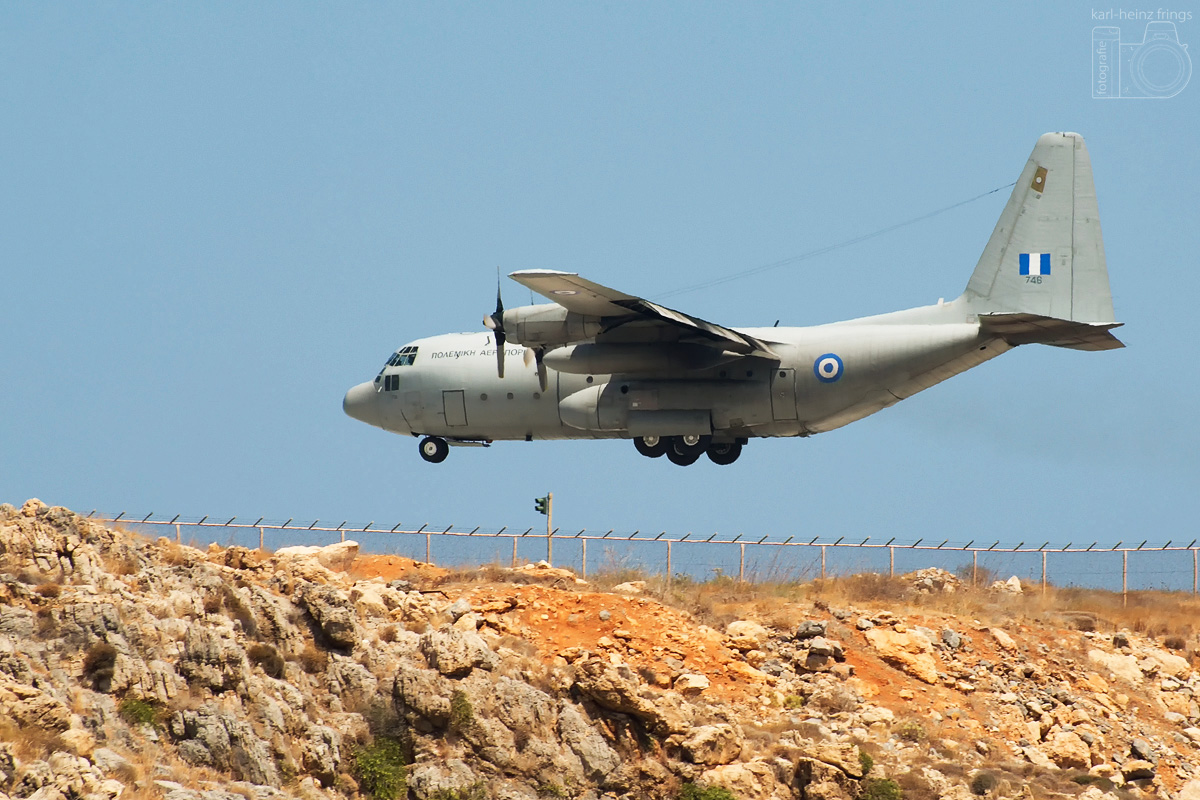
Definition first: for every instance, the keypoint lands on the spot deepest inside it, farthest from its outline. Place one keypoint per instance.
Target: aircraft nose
(362, 403)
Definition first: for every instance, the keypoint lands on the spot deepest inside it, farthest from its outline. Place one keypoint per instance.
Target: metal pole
(1193, 571)
(549, 530)
(428, 537)
(974, 567)
(742, 563)
(514, 563)
(669, 563)
(176, 533)
(891, 562)
(260, 539)
(585, 558)
(1124, 578)
(1043, 573)
(822, 562)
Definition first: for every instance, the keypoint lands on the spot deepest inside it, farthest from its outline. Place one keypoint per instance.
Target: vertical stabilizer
(1046, 255)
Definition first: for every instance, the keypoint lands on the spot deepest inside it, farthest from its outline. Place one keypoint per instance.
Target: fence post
(514, 560)
(742, 563)
(1043, 573)
(1124, 579)
(668, 563)
(822, 562)
(1193, 571)
(585, 558)
(891, 561)
(260, 538)
(176, 533)
(428, 538)
(974, 568)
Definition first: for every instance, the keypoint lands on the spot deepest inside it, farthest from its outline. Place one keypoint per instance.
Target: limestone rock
(338, 556)
(1120, 666)
(334, 614)
(1067, 750)
(908, 652)
(713, 745)
(598, 758)
(455, 653)
(754, 780)
(745, 635)
(691, 684)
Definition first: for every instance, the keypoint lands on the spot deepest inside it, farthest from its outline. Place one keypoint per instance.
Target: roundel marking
(563, 291)
(828, 368)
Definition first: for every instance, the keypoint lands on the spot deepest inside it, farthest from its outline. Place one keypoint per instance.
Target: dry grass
(49, 590)
(30, 743)
(1173, 618)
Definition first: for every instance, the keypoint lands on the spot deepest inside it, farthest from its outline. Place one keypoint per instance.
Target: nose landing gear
(433, 449)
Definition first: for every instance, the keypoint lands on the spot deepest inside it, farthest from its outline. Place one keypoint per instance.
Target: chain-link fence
(1123, 566)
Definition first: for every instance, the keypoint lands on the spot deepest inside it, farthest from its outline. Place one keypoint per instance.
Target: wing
(617, 309)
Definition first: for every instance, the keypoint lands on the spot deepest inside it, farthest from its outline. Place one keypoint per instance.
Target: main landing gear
(685, 450)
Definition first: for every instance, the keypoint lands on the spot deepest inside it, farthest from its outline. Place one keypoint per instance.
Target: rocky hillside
(143, 669)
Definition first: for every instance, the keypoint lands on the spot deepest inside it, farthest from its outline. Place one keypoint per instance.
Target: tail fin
(1045, 259)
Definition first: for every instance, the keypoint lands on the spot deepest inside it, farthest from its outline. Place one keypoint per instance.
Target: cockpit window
(403, 357)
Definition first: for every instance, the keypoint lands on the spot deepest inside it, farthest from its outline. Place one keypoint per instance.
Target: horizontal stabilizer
(1022, 328)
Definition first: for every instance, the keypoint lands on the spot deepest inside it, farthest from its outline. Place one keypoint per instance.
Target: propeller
(536, 354)
(495, 323)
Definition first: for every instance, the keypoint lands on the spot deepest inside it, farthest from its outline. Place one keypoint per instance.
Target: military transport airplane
(602, 364)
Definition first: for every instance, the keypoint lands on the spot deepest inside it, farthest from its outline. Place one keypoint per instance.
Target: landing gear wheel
(724, 453)
(682, 459)
(651, 446)
(433, 449)
(691, 444)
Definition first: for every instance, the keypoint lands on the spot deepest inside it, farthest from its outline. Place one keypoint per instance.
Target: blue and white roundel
(828, 368)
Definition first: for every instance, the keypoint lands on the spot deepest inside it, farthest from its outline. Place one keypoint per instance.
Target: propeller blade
(541, 368)
(528, 357)
(494, 322)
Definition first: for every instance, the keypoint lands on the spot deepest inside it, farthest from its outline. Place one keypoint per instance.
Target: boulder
(455, 653)
(598, 758)
(754, 780)
(338, 556)
(1067, 750)
(810, 628)
(1118, 666)
(908, 652)
(745, 635)
(1003, 639)
(691, 684)
(334, 614)
(1135, 769)
(713, 745)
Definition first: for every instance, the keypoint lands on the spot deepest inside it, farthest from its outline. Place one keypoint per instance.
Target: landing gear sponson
(681, 450)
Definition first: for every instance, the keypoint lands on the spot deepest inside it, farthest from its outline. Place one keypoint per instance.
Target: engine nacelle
(548, 325)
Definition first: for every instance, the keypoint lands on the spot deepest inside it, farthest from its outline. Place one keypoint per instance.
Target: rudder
(1046, 255)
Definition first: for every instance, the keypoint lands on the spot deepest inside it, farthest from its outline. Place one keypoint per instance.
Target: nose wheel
(433, 449)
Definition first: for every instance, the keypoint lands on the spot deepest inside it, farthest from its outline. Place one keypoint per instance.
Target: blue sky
(215, 218)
